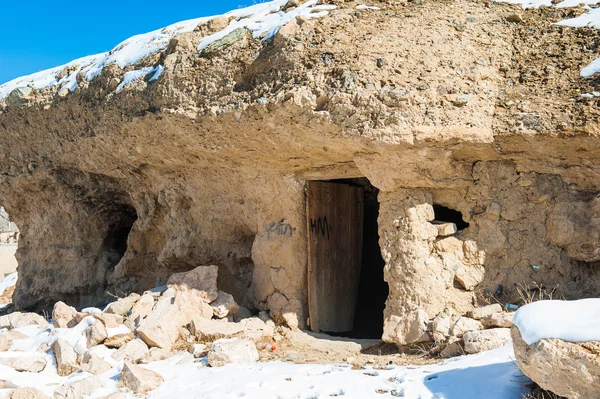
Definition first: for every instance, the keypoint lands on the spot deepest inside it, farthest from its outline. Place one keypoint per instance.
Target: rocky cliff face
(455, 103)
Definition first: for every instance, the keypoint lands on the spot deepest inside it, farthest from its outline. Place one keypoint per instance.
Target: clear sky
(41, 34)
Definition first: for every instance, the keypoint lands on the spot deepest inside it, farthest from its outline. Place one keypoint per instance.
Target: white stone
(224, 305)
(485, 311)
(133, 351)
(461, 325)
(78, 389)
(445, 229)
(67, 360)
(233, 350)
(123, 305)
(139, 379)
(479, 341)
(31, 363)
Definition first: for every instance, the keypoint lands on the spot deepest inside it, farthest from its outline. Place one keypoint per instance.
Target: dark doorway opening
(114, 245)
(444, 214)
(371, 290)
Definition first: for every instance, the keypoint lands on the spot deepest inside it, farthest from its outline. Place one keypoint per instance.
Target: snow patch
(8, 281)
(262, 20)
(571, 321)
(365, 7)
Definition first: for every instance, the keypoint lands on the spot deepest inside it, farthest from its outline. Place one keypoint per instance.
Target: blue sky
(41, 34)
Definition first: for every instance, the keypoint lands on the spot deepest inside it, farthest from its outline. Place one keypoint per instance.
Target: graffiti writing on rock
(278, 229)
(320, 226)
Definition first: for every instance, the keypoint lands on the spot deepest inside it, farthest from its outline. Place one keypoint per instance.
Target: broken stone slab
(94, 364)
(445, 229)
(28, 393)
(485, 311)
(110, 320)
(139, 379)
(210, 330)
(154, 355)
(461, 325)
(140, 310)
(31, 363)
(503, 319)
(78, 389)
(95, 334)
(224, 305)
(567, 369)
(8, 337)
(18, 320)
(123, 305)
(480, 341)
(132, 351)
(67, 360)
(118, 340)
(63, 315)
(202, 280)
(232, 350)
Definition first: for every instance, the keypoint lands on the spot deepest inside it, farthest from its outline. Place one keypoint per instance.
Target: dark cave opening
(114, 246)
(444, 214)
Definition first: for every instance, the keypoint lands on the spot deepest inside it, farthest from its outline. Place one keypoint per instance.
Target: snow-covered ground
(491, 375)
(263, 20)
(589, 19)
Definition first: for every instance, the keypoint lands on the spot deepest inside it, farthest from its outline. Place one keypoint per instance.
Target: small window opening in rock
(360, 315)
(122, 218)
(447, 215)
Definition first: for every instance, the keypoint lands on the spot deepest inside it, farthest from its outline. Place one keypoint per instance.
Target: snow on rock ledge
(571, 321)
(262, 20)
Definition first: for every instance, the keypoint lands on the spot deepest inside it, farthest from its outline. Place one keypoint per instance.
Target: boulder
(31, 363)
(407, 329)
(480, 341)
(140, 310)
(139, 379)
(440, 328)
(202, 280)
(504, 320)
(485, 311)
(570, 370)
(95, 334)
(78, 389)
(28, 393)
(224, 305)
(20, 96)
(7, 338)
(94, 364)
(233, 350)
(118, 340)
(67, 360)
(123, 305)
(172, 312)
(63, 315)
(132, 351)
(154, 355)
(461, 325)
(110, 320)
(255, 328)
(210, 330)
(18, 320)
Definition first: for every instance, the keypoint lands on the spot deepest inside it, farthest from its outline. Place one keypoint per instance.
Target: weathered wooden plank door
(335, 236)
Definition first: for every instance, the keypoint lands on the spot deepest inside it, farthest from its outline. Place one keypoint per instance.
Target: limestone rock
(31, 363)
(7, 338)
(233, 350)
(198, 350)
(118, 340)
(94, 364)
(461, 325)
(18, 319)
(224, 305)
(225, 42)
(110, 320)
(95, 334)
(406, 330)
(139, 379)
(28, 393)
(67, 360)
(440, 328)
(445, 229)
(485, 311)
(255, 328)
(202, 280)
(503, 319)
(479, 341)
(154, 355)
(469, 276)
(63, 315)
(140, 310)
(20, 96)
(132, 351)
(210, 330)
(453, 347)
(570, 370)
(123, 305)
(78, 389)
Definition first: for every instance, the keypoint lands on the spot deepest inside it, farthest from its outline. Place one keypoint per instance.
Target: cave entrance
(346, 288)
(120, 222)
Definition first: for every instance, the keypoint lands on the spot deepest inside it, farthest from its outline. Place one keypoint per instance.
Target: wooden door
(335, 236)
